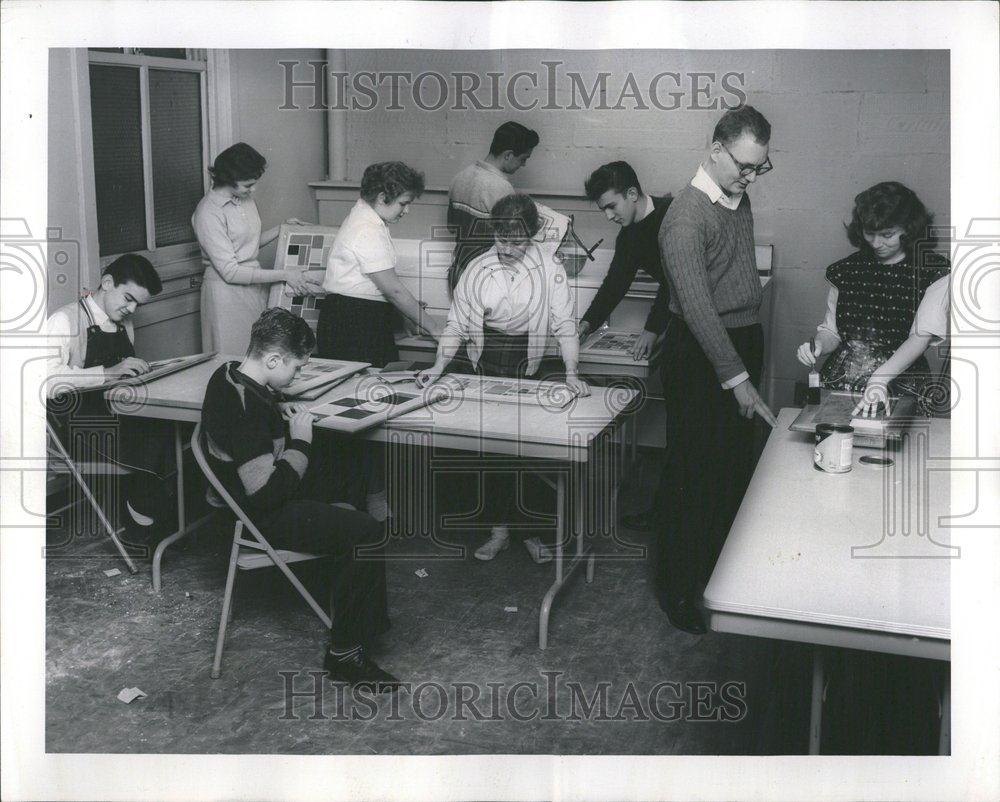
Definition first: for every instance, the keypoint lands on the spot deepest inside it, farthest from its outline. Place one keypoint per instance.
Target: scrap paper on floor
(129, 695)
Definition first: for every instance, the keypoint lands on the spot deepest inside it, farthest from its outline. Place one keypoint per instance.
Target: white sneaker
(499, 541)
(539, 552)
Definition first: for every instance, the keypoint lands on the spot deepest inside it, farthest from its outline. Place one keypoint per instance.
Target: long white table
(857, 560)
(577, 447)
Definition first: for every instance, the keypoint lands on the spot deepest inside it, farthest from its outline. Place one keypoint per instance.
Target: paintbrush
(813, 395)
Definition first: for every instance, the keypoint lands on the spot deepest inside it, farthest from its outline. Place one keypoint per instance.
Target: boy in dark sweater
(615, 188)
(711, 361)
(263, 459)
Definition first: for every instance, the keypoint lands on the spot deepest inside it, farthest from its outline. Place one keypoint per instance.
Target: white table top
(596, 364)
(470, 425)
(791, 554)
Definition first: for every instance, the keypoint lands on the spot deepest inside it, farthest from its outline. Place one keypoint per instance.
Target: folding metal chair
(57, 450)
(249, 555)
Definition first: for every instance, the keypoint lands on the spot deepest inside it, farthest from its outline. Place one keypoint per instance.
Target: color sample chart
(301, 248)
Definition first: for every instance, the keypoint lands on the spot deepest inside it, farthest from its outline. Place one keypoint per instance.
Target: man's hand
(876, 392)
(301, 426)
(577, 385)
(750, 402)
(808, 352)
(583, 330)
(128, 367)
(644, 345)
(294, 221)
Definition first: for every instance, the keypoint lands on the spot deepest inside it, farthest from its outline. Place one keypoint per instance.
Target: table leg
(944, 740)
(566, 521)
(816, 708)
(182, 527)
(632, 421)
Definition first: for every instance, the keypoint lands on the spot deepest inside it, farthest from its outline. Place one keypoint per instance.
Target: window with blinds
(148, 132)
(116, 114)
(175, 130)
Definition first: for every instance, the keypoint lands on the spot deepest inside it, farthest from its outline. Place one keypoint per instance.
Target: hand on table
(644, 345)
(577, 385)
(750, 403)
(301, 425)
(128, 367)
(427, 377)
(876, 392)
(294, 221)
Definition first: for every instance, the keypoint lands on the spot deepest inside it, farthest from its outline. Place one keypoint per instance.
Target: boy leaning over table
(267, 462)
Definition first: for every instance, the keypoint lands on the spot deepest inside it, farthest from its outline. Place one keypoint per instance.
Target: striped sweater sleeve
(682, 249)
(269, 468)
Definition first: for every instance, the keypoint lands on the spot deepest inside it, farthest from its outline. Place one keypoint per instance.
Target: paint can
(834, 448)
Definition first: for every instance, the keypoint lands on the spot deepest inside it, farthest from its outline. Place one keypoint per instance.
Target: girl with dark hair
(357, 317)
(507, 303)
(227, 225)
(875, 291)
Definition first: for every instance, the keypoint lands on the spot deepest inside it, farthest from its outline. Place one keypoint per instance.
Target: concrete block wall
(842, 121)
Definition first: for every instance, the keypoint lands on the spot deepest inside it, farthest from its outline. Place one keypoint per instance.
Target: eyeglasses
(747, 169)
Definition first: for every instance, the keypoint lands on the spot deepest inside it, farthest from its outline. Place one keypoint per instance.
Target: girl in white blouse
(226, 222)
(506, 305)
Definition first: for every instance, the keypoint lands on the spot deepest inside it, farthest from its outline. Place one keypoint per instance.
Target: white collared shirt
(506, 297)
(362, 246)
(65, 368)
(703, 181)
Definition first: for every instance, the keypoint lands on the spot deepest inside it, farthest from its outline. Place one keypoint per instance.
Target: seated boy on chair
(266, 462)
(94, 336)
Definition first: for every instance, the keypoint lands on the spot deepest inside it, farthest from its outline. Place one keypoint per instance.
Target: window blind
(178, 172)
(118, 172)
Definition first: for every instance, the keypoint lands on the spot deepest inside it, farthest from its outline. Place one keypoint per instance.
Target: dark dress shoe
(685, 616)
(640, 521)
(359, 669)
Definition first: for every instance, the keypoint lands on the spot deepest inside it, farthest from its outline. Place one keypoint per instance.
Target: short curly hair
(515, 217)
(392, 178)
(887, 205)
(239, 162)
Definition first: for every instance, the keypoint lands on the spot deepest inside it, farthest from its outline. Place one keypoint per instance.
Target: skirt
(227, 313)
(356, 330)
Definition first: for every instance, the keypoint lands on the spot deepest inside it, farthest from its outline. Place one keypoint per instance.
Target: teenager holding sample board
(507, 303)
(227, 225)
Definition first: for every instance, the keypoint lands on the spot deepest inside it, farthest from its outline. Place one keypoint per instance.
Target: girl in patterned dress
(875, 291)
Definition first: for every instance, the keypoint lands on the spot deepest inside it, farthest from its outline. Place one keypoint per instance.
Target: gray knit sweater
(708, 256)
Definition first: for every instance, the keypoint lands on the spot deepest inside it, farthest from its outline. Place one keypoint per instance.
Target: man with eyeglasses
(711, 362)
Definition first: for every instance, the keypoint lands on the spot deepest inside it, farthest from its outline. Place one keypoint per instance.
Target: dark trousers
(358, 603)
(709, 460)
(89, 430)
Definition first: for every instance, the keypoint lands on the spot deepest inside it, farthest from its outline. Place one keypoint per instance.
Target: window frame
(170, 255)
